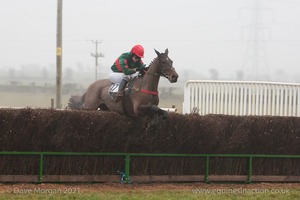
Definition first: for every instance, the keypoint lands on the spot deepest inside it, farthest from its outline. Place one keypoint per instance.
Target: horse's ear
(166, 51)
(158, 54)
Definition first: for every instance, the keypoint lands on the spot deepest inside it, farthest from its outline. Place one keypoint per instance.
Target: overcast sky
(200, 34)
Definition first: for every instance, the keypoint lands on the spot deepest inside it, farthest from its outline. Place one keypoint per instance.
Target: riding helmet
(138, 50)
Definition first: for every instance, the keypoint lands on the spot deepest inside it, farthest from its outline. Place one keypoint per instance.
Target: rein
(162, 73)
(154, 74)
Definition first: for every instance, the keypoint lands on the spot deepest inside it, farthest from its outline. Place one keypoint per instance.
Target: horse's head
(166, 66)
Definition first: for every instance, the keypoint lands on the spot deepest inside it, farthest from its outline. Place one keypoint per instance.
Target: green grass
(290, 194)
(30, 99)
(43, 100)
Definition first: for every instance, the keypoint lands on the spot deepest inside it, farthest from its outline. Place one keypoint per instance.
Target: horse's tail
(76, 102)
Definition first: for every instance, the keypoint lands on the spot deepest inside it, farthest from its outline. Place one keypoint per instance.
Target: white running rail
(241, 98)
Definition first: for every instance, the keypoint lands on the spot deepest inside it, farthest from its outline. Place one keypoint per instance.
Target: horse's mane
(141, 74)
(152, 62)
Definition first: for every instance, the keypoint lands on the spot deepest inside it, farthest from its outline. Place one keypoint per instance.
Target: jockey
(126, 67)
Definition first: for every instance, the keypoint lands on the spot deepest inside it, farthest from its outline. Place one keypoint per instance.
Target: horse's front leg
(156, 114)
(159, 111)
(153, 109)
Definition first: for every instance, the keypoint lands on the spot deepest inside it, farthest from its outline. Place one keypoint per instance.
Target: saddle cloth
(113, 90)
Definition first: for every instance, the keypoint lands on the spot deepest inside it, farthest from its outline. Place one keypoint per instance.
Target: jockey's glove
(141, 68)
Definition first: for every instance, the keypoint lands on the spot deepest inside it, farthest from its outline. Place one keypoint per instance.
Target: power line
(96, 55)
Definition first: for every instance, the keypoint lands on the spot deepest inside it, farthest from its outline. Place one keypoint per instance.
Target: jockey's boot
(121, 88)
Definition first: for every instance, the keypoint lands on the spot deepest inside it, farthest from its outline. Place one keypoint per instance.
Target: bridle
(162, 71)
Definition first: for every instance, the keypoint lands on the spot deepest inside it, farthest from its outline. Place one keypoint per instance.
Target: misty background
(207, 39)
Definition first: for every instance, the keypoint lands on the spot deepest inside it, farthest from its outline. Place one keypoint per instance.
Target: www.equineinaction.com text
(240, 191)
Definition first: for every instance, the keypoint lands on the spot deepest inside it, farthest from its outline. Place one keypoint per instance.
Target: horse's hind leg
(103, 107)
(91, 102)
(75, 103)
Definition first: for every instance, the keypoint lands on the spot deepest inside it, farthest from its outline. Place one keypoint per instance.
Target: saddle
(114, 88)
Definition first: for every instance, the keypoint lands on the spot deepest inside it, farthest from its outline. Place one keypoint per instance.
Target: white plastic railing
(241, 98)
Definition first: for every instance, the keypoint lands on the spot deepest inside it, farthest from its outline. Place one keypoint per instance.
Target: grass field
(43, 100)
(151, 191)
(28, 99)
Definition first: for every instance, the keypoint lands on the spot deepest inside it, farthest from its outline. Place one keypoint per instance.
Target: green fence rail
(127, 157)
